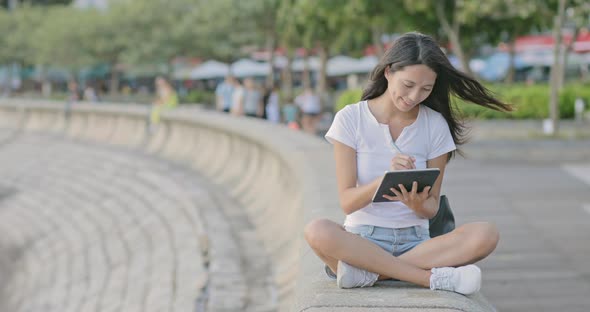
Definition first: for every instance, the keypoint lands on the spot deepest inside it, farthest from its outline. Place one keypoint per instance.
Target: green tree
(374, 19)
(289, 29)
(505, 20)
(469, 24)
(261, 18)
(15, 44)
(324, 24)
(575, 14)
(555, 69)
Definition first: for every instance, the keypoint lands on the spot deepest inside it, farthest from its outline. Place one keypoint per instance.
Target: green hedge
(199, 97)
(530, 102)
(348, 97)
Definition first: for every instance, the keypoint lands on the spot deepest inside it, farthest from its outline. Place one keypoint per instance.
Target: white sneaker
(465, 280)
(351, 277)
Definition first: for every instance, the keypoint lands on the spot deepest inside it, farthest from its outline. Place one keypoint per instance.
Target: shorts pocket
(361, 230)
(422, 233)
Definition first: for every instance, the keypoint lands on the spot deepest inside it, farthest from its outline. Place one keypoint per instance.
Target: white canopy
(341, 65)
(368, 63)
(313, 64)
(249, 68)
(210, 70)
(344, 65)
(337, 66)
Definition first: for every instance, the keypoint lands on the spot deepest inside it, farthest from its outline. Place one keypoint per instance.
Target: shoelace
(441, 279)
(364, 277)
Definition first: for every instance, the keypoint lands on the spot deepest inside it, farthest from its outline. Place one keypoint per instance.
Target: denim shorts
(395, 241)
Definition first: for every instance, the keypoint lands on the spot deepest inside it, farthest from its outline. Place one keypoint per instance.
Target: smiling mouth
(405, 102)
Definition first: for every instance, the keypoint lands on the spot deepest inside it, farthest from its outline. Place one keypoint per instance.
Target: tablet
(424, 177)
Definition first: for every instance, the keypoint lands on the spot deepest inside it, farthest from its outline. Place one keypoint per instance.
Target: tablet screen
(424, 177)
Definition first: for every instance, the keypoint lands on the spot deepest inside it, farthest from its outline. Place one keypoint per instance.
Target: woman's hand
(413, 198)
(402, 162)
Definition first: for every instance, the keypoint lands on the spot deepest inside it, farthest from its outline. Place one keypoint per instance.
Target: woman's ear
(387, 72)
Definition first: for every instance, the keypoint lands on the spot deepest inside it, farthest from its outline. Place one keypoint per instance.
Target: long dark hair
(416, 48)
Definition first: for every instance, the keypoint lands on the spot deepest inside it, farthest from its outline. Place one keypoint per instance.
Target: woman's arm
(352, 198)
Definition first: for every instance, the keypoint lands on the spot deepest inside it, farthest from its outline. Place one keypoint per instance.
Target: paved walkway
(543, 213)
(90, 228)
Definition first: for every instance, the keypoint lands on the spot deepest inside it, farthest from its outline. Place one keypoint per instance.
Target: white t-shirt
(427, 138)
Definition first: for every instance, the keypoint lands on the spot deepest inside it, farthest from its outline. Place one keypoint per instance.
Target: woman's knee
(484, 238)
(319, 232)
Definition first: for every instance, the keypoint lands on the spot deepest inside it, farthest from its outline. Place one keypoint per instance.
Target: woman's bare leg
(328, 238)
(467, 244)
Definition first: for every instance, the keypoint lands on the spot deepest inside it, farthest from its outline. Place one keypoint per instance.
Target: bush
(568, 97)
(348, 97)
(529, 102)
(199, 97)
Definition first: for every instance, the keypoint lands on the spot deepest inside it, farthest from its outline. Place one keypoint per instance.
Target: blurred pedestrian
(166, 98)
(72, 98)
(310, 106)
(90, 94)
(250, 104)
(237, 107)
(272, 105)
(224, 94)
(73, 92)
(290, 112)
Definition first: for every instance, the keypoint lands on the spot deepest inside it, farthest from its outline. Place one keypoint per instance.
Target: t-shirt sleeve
(441, 139)
(343, 128)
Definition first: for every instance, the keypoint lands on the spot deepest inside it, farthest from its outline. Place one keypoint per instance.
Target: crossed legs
(467, 244)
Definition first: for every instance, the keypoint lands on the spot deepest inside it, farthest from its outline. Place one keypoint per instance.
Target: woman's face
(409, 86)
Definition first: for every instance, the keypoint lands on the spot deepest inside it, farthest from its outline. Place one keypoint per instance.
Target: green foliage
(61, 39)
(529, 102)
(199, 97)
(17, 26)
(348, 97)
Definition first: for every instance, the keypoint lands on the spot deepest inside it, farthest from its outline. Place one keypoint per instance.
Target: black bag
(444, 221)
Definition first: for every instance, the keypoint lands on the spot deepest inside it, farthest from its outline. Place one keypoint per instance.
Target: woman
(166, 98)
(404, 121)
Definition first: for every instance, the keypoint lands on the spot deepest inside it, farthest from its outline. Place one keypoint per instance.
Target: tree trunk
(114, 83)
(305, 80)
(565, 57)
(453, 34)
(379, 48)
(288, 76)
(9, 78)
(458, 51)
(584, 72)
(270, 47)
(322, 86)
(555, 70)
(511, 56)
